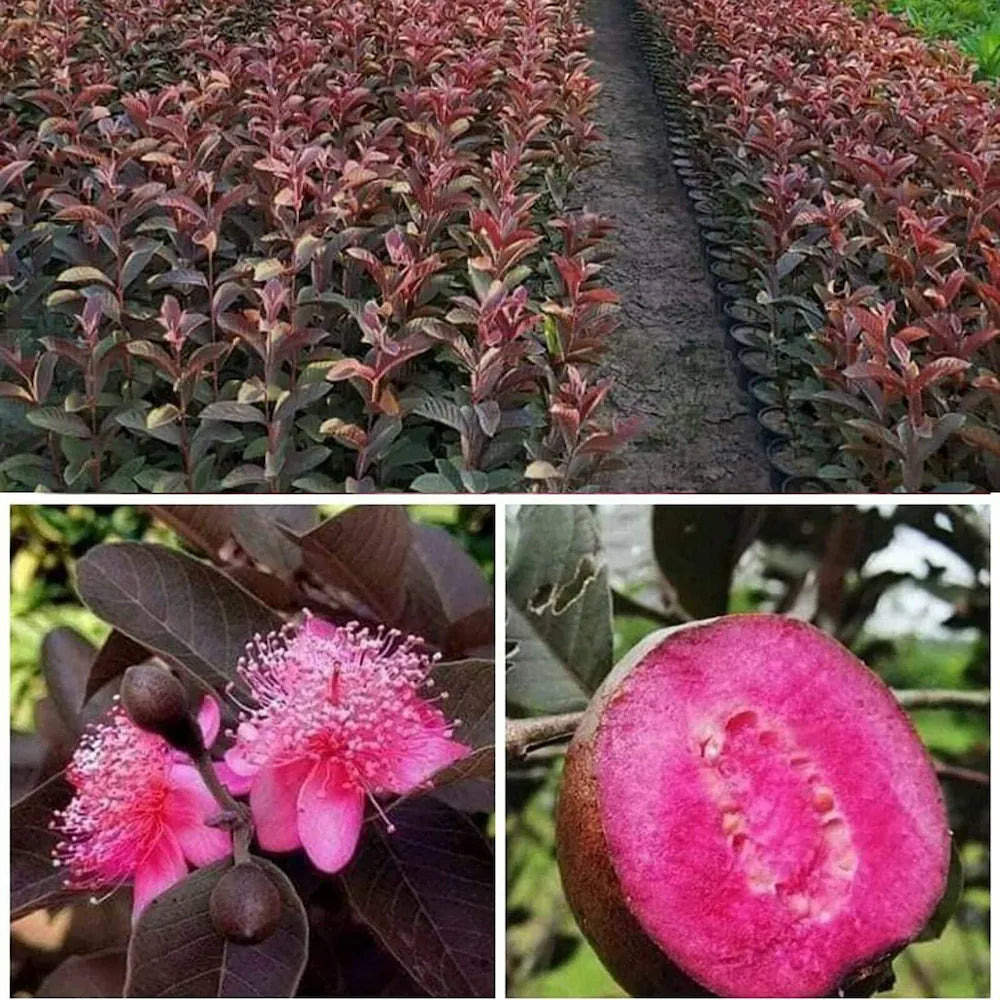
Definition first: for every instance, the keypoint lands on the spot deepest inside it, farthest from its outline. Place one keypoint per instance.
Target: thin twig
(961, 773)
(934, 698)
(526, 735)
(235, 816)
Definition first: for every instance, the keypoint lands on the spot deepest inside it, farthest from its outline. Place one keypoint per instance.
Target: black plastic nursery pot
(787, 461)
(772, 426)
(803, 484)
(752, 364)
(762, 393)
(742, 312)
(747, 337)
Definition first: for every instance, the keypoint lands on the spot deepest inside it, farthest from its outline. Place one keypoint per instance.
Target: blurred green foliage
(547, 955)
(974, 25)
(47, 541)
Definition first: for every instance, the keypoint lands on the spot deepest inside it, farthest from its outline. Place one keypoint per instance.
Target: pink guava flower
(139, 811)
(340, 718)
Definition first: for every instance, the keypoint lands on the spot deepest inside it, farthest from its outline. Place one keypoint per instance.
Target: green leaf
(243, 475)
(74, 275)
(238, 413)
(432, 482)
(558, 610)
(51, 418)
(162, 416)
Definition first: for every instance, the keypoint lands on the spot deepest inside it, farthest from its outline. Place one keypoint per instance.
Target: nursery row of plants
(298, 247)
(846, 178)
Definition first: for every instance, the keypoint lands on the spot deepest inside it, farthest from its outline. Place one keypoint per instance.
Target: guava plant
(745, 808)
(284, 758)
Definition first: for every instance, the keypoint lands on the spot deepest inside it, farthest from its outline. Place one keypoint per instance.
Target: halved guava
(746, 811)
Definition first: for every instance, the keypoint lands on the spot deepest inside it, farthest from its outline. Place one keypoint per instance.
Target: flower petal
(189, 803)
(159, 870)
(422, 758)
(236, 755)
(273, 796)
(330, 811)
(209, 716)
(236, 783)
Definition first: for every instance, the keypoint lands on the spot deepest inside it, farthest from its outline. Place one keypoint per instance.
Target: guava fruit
(746, 811)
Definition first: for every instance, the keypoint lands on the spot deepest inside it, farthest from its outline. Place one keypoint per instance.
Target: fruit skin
(245, 905)
(592, 888)
(591, 883)
(156, 701)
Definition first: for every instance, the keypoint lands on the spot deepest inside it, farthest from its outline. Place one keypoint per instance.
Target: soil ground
(668, 361)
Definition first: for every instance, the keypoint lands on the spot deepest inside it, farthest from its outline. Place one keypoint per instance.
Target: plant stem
(933, 698)
(525, 735)
(241, 824)
(960, 773)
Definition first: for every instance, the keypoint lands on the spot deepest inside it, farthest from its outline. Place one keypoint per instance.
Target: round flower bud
(245, 905)
(155, 700)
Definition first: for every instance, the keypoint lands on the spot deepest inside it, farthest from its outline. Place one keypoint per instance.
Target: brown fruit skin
(589, 879)
(156, 701)
(245, 905)
(593, 890)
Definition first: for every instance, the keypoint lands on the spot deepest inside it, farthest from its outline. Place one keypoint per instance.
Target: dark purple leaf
(176, 952)
(426, 890)
(66, 659)
(183, 609)
(34, 881)
(470, 783)
(27, 758)
(118, 653)
(205, 527)
(99, 975)
(445, 587)
(362, 553)
(469, 685)
(255, 527)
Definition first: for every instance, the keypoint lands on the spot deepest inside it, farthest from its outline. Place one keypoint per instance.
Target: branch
(525, 735)
(960, 773)
(936, 698)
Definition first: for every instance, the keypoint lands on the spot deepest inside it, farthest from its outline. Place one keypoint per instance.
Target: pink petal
(330, 811)
(209, 716)
(236, 756)
(189, 803)
(236, 783)
(422, 759)
(160, 869)
(273, 795)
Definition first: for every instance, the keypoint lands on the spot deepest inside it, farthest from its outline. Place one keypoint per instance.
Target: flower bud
(155, 700)
(245, 905)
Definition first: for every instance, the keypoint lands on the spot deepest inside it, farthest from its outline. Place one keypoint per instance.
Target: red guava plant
(287, 743)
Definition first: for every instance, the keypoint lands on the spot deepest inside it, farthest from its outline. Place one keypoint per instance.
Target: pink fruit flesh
(772, 816)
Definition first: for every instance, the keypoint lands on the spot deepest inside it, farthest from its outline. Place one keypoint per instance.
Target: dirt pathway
(668, 361)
